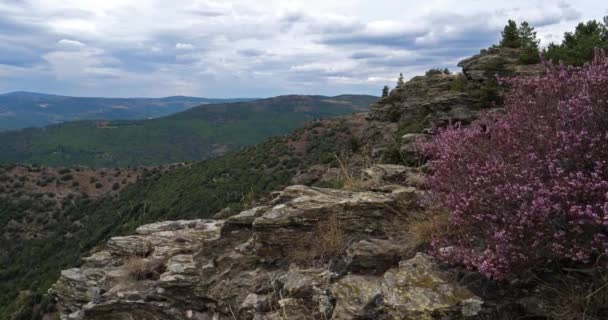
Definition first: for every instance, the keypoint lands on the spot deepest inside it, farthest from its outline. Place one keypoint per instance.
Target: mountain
(194, 134)
(28, 109)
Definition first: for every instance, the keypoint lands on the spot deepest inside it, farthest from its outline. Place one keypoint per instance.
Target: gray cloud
(239, 48)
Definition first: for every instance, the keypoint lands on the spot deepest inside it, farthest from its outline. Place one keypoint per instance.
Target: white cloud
(246, 48)
(70, 43)
(184, 46)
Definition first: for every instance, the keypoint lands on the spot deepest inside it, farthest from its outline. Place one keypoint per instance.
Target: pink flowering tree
(530, 186)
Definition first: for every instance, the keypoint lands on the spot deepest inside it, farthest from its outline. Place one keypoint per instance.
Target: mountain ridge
(23, 109)
(195, 134)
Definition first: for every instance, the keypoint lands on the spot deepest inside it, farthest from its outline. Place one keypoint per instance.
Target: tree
(578, 47)
(529, 43)
(527, 35)
(400, 81)
(535, 178)
(385, 91)
(510, 36)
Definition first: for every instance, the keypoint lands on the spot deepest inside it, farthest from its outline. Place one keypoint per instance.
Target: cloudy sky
(252, 48)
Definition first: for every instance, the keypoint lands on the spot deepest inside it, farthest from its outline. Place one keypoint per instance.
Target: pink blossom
(529, 186)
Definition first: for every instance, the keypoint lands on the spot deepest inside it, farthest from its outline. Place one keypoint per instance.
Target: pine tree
(400, 81)
(510, 36)
(529, 42)
(578, 47)
(385, 91)
(527, 36)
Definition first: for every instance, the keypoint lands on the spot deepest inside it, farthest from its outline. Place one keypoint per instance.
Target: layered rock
(416, 289)
(241, 268)
(491, 61)
(425, 100)
(437, 99)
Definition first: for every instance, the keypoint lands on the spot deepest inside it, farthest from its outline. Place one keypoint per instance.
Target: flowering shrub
(529, 186)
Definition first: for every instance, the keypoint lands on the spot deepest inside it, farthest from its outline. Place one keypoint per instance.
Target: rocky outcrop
(416, 289)
(491, 61)
(437, 99)
(425, 100)
(243, 267)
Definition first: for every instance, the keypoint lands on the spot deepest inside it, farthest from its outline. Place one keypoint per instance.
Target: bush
(432, 72)
(459, 83)
(530, 186)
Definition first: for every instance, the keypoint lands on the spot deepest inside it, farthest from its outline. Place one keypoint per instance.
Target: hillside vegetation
(195, 134)
(197, 191)
(28, 109)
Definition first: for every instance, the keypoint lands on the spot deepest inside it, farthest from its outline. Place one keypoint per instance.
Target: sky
(253, 48)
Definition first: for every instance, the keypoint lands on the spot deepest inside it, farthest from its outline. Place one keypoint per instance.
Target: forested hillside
(196, 134)
(29, 109)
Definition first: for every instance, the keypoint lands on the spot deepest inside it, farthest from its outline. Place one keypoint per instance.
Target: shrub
(432, 72)
(459, 83)
(530, 186)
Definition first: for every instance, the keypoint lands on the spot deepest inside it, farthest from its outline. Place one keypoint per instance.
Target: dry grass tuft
(329, 237)
(323, 244)
(419, 229)
(139, 268)
(574, 301)
(349, 180)
(415, 179)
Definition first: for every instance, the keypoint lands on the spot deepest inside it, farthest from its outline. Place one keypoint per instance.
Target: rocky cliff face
(437, 99)
(310, 253)
(426, 99)
(489, 61)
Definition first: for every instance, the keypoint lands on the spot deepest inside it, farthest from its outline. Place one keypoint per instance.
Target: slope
(195, 191)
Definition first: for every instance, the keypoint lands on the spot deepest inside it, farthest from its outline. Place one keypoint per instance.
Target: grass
(421, 229)
(139, 268)
(325, 242)
(348, 180)
(573, 298)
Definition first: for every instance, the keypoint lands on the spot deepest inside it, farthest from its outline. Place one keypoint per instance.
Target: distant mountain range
(198, 133)
(28, 109)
